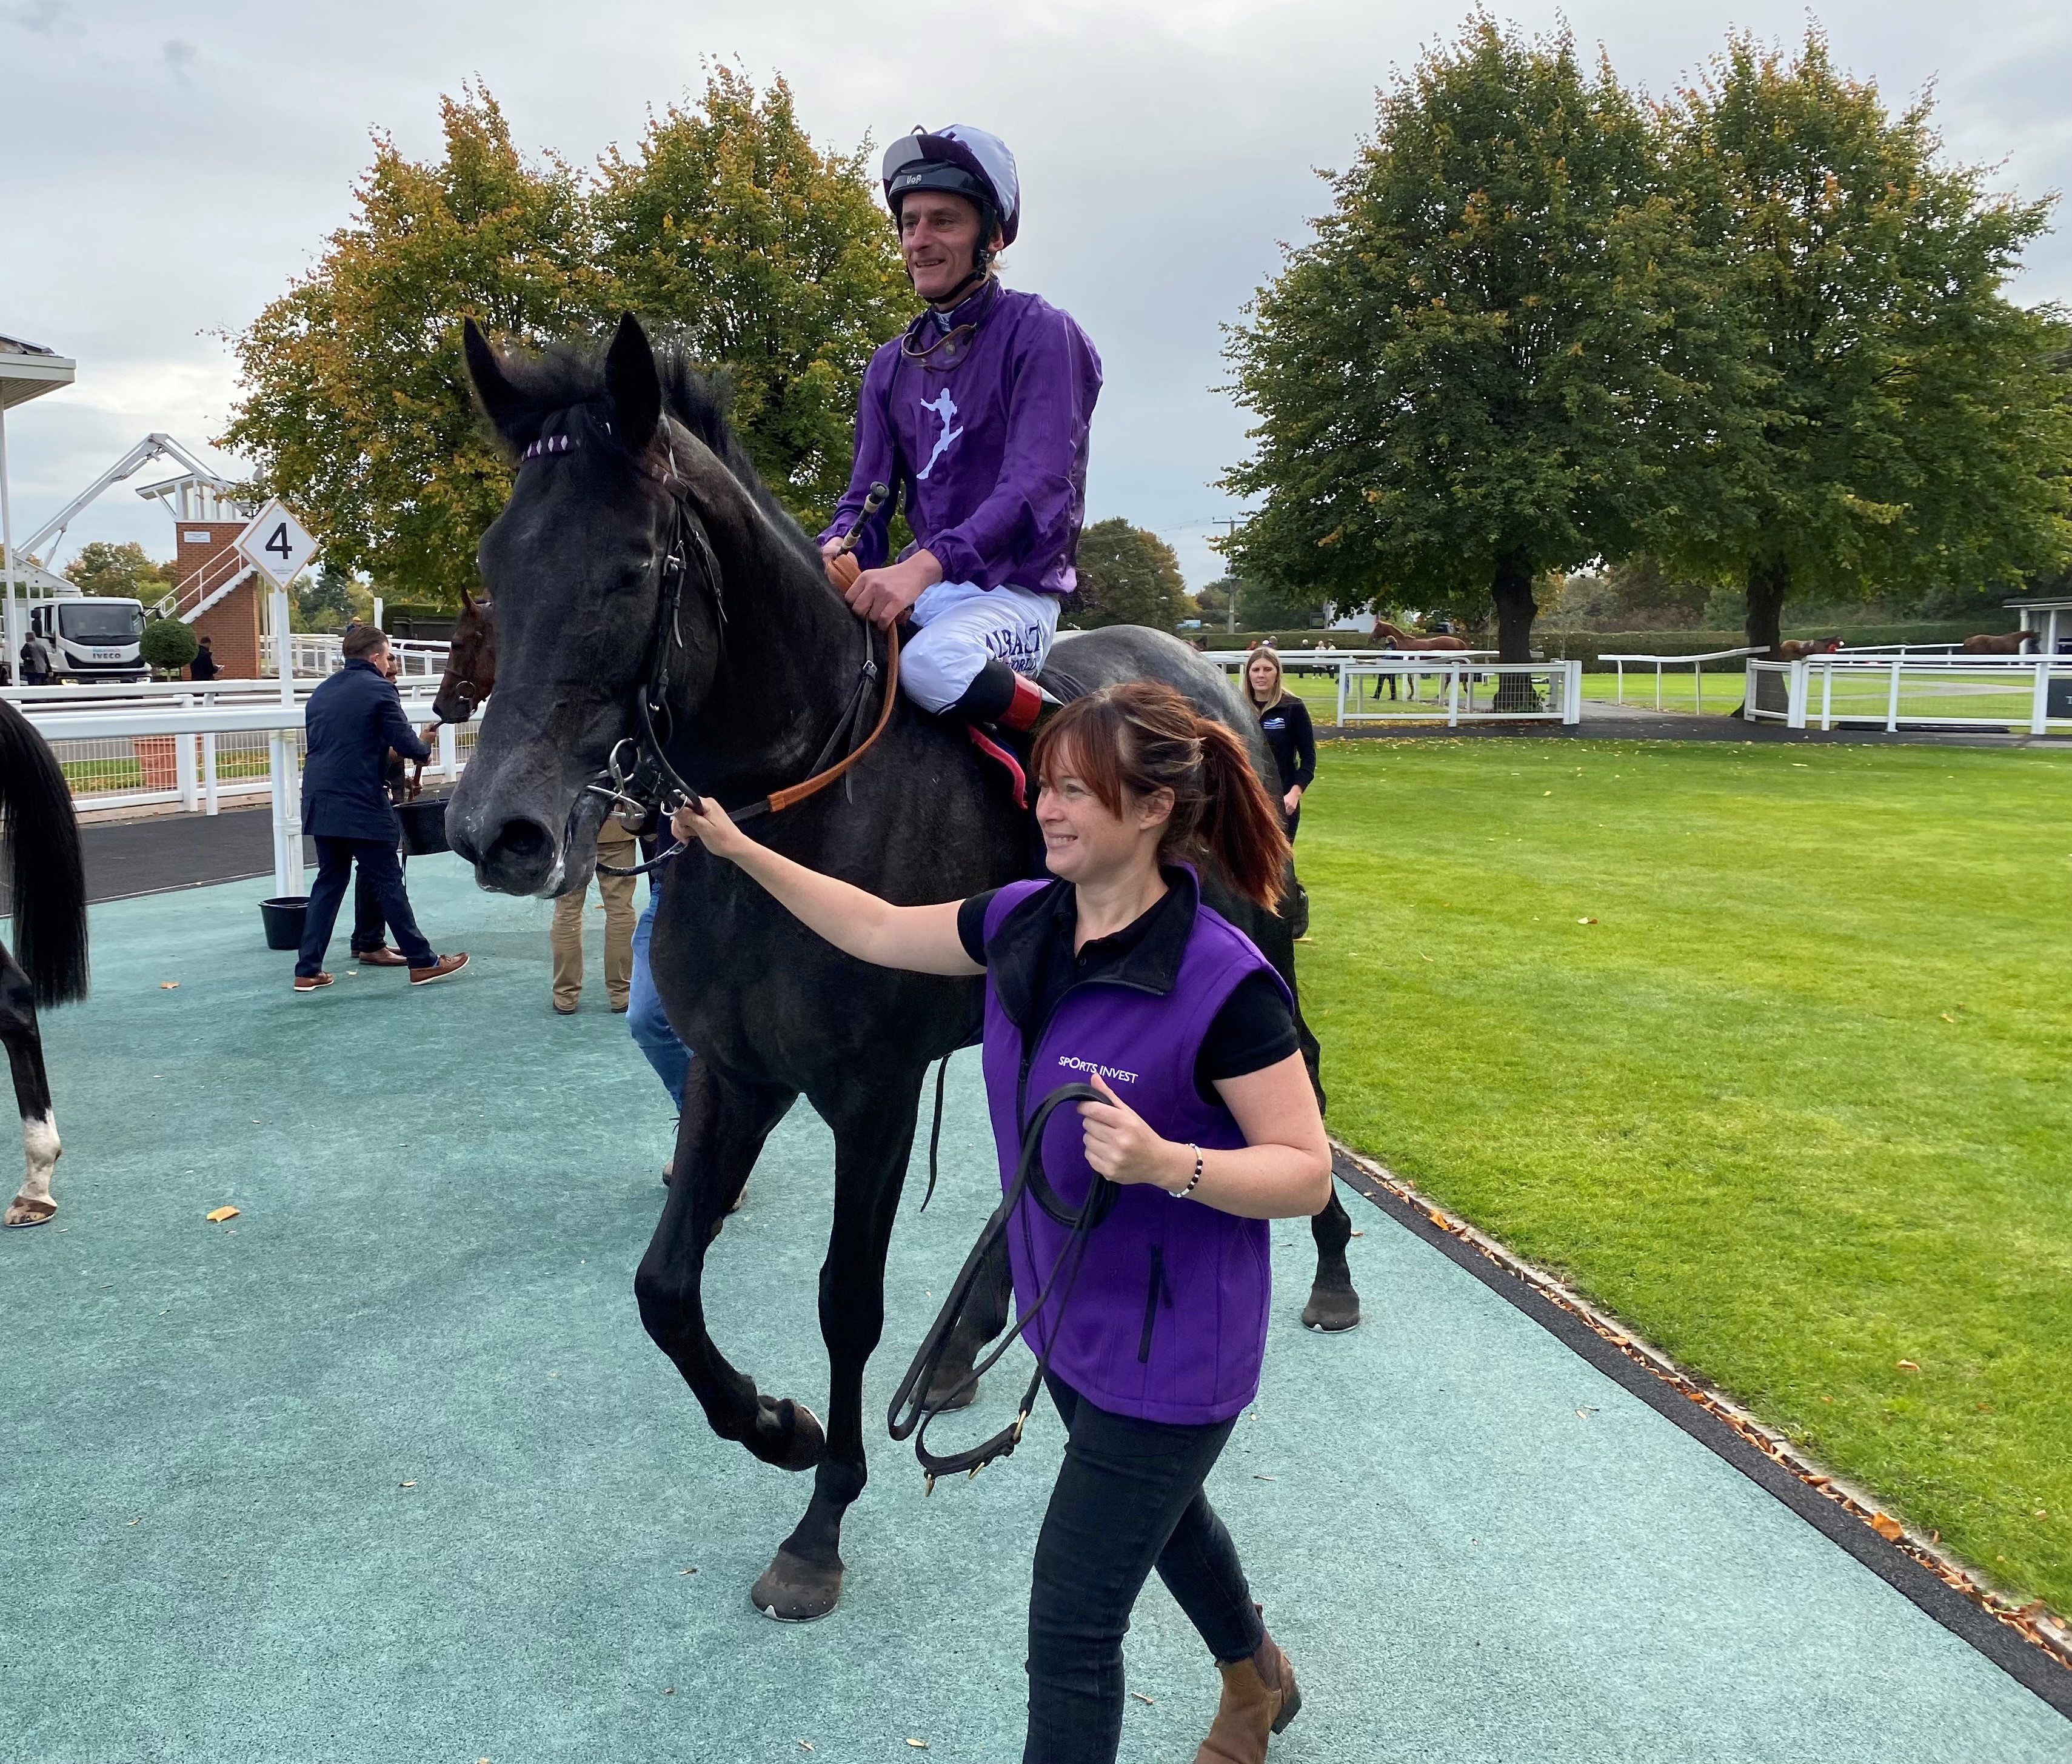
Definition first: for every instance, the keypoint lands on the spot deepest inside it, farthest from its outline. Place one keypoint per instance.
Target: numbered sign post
(280, 547)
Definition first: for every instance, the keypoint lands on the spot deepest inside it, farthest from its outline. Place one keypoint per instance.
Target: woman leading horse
(1115, 969)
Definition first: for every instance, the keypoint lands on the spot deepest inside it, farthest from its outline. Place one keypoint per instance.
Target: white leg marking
(40, 1147)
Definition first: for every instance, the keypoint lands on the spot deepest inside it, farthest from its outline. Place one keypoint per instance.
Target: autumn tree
(761, 253)
(125, 572)
(1900, 423)
(1128, 576)
(353, 400)
(1482, 366)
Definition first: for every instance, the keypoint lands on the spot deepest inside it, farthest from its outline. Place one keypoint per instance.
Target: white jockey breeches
(962, 627)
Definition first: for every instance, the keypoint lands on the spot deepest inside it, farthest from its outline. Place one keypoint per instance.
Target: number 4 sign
(278, 544)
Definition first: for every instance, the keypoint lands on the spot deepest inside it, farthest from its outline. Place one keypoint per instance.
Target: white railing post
(1340, 670)
(449, 751)
(1794, 697)
(1571, 691)
(1452, 695)
(1618, 667)
(2039, 703)
(1748, 677)
(1828, 695)
(1698, 686)
(209, 796)
(1892, 699)
(183, 764)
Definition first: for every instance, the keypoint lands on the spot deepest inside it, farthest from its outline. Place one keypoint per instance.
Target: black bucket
(424, 826)
(284, 915)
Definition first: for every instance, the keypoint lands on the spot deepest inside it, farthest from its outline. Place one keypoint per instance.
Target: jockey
(978, 411)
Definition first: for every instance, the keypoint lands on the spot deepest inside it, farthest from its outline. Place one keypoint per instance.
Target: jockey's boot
(1001, 710)
(1260, 1698)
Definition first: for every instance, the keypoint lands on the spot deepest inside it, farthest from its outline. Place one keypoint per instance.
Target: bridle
(638, 780)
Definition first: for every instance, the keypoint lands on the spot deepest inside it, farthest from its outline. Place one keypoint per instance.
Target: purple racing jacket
(985, 436)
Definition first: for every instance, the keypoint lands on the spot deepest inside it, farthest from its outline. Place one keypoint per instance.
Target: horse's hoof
(22, 1214)
(945, 1396)
(1331, 1309)
(787, 1434)
(793, 1591)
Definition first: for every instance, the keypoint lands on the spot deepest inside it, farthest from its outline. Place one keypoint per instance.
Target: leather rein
(638, 775)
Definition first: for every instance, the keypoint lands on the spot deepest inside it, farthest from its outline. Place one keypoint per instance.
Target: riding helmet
(964, 161)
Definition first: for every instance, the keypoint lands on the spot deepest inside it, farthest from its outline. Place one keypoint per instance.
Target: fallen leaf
(406, 1485)
(2042, 1513)
(1422, 957)
(918, 1745)
(1359, 1234)
(1947, 1018)
(1145, 1700)
(682, 1571)
(1908, 1366)
(169, 985)
(1586, 1411)
(1888, 1527)
(221, 1214)
(672, 1690)
(1257, 1477)
(1546, 792)
(1586, 921)
(805, 1745)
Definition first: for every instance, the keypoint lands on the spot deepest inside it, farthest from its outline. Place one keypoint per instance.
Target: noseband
(639, 780)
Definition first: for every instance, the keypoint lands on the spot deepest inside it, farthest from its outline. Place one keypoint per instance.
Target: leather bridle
(639, 780)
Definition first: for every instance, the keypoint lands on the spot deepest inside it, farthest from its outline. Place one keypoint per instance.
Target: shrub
(168, 644)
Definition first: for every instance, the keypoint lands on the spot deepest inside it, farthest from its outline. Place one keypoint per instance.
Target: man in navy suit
(352, 720)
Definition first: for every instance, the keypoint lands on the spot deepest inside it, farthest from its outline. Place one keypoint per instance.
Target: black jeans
(1128, 1499)
(377, 861)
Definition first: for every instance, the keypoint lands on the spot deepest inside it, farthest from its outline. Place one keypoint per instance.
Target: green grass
(1679, 695)
(1794, 1107)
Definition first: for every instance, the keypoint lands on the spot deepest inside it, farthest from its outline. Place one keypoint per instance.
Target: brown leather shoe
(444, 968)
(311, 983)
(383, 957)
(1260, 1698)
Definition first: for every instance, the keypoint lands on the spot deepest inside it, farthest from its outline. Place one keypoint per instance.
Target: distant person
(1283, 719)
(370, 945)
(614, 845)
(353, 719)
(38, 662)
(204, 666)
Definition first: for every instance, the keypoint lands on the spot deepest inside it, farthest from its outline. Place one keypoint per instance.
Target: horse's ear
(635, 387)
(467, 599)
(498, 396)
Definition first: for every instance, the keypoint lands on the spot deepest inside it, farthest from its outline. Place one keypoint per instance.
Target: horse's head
(470, 674)
(578, 567)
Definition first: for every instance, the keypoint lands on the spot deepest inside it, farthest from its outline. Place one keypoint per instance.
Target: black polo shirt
(1253, 1030)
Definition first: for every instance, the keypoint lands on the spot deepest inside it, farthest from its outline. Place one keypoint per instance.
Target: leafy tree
(324, 601)
(1127, 576)
(1900, 421)
(123, 571)
(764, 253)
(1636, 593)
(1484, 364)
(1272, 605)
(167, 644)
(353, 402)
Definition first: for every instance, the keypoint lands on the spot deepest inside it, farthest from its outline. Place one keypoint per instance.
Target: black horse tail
(41, 835)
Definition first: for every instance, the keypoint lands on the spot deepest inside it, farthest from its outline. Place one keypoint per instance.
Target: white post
(1698, 685)
(2039, 703)
(183, 763)
(1657, 686)
(1452, 695)
(208, 797)
(1618, 667)
(449, 751)
(1892, 700)
(1571, 691)
(1748, 688)
(1340, 670)
(1828, 695)
(276, 771)
(1794, 697)
(11, 622)
(378, 625)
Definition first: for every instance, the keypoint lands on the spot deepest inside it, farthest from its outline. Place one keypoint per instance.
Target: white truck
(92, 637)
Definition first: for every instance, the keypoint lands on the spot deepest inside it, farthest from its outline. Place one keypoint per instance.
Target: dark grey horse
(762, 659)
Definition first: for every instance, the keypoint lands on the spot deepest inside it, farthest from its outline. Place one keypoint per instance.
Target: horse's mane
(560, 390)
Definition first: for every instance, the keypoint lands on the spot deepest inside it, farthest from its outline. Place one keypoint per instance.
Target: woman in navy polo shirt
(1283, 719)
(1116, 974)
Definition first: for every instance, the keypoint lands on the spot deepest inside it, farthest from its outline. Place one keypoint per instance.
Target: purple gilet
(1167, 1322)
(984, 439)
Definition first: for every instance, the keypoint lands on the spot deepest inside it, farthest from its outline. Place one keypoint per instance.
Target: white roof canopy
(27, 370)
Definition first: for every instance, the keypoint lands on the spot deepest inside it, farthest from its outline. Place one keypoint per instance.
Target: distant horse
(653, 599)
(1798, 649)
(1397, 638)
(49, 967)
(470, 672)
(2007, 644)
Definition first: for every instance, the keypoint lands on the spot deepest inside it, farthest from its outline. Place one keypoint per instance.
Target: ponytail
(1141, 736)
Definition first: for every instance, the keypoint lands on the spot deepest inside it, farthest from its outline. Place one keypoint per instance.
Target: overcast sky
(165, 171)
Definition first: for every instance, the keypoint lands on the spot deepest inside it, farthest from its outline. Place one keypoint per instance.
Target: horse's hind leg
(724, 1125)
(874, 1128)
(991, 1303)
(32, 1204)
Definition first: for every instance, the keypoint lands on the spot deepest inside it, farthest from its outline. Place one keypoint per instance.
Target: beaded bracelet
(1182, 1194)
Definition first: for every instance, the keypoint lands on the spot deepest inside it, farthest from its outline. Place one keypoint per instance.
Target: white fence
(1999, 693)
(1465, 691)
(1696, 663)
(315, 655)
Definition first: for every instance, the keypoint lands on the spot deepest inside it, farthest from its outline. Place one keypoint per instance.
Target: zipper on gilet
(1157, 1292)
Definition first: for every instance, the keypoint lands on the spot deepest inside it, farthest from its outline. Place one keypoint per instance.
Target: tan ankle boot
(1260, 1698)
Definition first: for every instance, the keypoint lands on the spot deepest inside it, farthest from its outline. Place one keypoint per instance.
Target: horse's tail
(41, 835)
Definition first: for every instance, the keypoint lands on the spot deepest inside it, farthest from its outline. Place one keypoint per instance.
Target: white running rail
(2031, 693)
(1696, 663)
(1469, 691)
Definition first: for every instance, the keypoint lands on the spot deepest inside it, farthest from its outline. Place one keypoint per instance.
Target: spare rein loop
(910, 1410)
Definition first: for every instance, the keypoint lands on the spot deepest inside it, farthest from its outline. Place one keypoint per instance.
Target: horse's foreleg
(724, 1125)
(874, 1128)
(1334, 1304)
(991, 1304)
(32, 1203)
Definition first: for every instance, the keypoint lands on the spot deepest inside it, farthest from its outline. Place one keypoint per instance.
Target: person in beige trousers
(614, 845)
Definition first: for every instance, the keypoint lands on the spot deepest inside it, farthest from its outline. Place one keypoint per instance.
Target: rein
(910, 1410)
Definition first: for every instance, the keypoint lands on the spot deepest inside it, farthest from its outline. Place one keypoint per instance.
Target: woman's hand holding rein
(1282, 1171)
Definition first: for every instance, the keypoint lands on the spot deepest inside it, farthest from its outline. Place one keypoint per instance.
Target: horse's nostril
(520, 856)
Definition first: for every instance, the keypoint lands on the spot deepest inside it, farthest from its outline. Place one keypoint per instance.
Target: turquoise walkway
(385, 1469)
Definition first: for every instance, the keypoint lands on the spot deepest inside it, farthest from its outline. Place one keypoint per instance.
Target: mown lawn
(1795, 1106)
